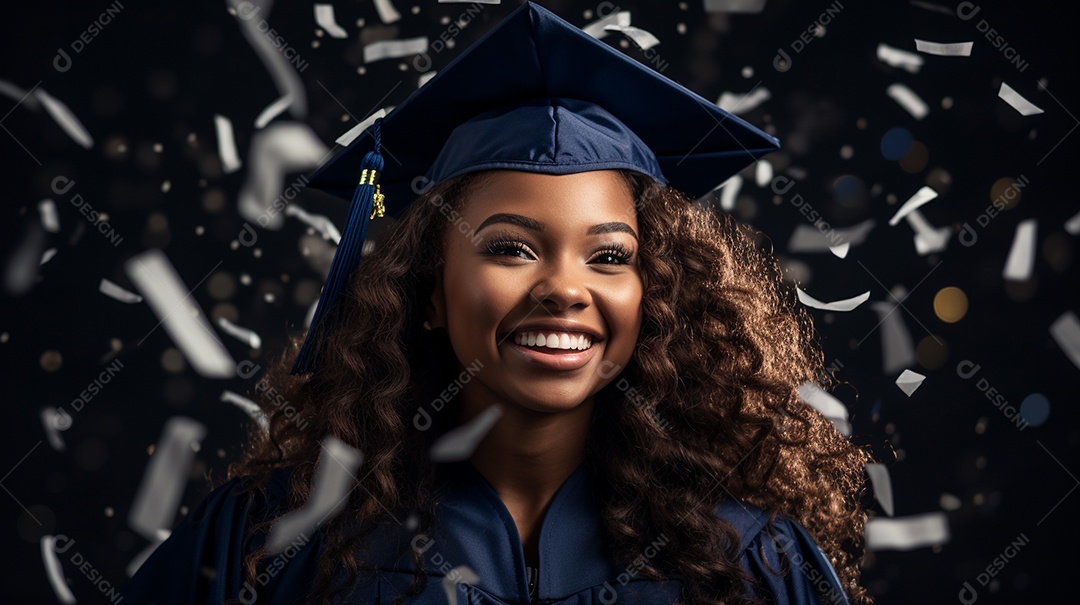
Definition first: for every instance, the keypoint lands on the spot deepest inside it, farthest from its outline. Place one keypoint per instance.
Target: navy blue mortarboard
(535, 94)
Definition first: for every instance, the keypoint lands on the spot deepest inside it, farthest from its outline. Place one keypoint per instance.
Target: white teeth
(559, 340)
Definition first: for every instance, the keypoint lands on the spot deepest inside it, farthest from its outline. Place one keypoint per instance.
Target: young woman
(650, 446)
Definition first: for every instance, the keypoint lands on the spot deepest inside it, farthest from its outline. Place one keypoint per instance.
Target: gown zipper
(533, 575)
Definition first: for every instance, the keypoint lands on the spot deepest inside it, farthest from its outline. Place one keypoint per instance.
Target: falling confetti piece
(171, 301)
(54, 570)
(242, 334)
(251, 408)
(1017, 102)
(324, 17)
(350, 136)
(115, 292)
(909, 381)
(162, 486)
(640, 37)
(230, 161)
(462, 574)
(921, 197)
(272, 111)
(1021, 260)
(318, 222)
(334, 478)
(1066, 333)
(729, 191)
(282, 72)
(928, 239)
(734, 6)
(280, 149)
(460, 442)
(47, 256)
(841, 305)
(830, 407)
(949, 502)
(49, 219)
(392, 49)
(908, 100)
(1072, 226)
(949, 49)
(17, 94)
(597, 29)
(63, 116)
(763, 173)
(807, 238)
(896, 57)
(841, 250)
(906, 533)
(898, 350)
(55, 420)
(882, 485)
(739, 104)
(387, 12)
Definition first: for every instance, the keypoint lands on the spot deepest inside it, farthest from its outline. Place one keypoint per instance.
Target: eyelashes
(616, 250)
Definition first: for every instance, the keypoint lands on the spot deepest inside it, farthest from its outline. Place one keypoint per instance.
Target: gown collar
(477, 530)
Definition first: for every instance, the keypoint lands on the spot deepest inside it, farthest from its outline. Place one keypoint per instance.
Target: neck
(528, 455)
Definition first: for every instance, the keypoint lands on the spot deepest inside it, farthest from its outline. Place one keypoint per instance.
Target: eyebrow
(534, 225)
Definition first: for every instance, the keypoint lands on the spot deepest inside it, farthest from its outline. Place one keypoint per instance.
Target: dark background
(160, 71)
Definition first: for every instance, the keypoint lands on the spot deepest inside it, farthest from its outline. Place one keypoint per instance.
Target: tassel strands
(367, 203)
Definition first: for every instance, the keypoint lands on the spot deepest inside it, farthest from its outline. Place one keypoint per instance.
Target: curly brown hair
(722, 351)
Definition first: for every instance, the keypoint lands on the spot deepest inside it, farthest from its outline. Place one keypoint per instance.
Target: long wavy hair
(722, 351)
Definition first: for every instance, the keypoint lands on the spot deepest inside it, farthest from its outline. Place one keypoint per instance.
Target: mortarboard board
(537, 94)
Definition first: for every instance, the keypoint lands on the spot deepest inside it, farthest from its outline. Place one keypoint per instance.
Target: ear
(435, 308)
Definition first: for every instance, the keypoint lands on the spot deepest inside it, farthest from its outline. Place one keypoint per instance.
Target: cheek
(479, 299)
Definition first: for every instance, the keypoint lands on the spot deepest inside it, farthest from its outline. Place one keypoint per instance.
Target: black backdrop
(157, 73)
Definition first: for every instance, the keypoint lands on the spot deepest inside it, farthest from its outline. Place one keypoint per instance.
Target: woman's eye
(508, 248)
(621, 256)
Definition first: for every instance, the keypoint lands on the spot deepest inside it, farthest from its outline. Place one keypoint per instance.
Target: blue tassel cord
(367, 203)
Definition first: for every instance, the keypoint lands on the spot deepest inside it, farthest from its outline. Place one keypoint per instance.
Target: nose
(561, 287)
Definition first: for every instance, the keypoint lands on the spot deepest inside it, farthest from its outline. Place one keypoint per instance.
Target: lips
(554, 359)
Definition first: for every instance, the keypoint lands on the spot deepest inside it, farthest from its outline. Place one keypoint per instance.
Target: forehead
(566, 200)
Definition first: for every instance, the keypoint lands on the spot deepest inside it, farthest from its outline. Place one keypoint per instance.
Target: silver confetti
(226, 141)
(115, 292)
(284, 75)
(63, 116)
(840, 305)
(896, 57)
(882, 485)
(1017, 102)
(171, 301)
(393, 49)
(49, 219)
(282, 148)
(906, 533)
(324, 17)
(459, 443)
(908, 100)
(334, 479)
(163, 482)
(944, 49)
(1020, 263)
(909, 381)
(54, 570)
(240, 333)
(251, 408)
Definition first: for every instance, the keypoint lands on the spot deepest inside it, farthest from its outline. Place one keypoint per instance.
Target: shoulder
(201, 561)
(782, 556)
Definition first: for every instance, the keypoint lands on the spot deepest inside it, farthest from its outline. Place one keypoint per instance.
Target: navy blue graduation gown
(200, 563)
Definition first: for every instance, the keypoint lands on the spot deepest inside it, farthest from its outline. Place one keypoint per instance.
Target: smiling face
(551, 254)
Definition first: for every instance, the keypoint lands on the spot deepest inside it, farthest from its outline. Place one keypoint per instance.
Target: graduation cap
(536, 94)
